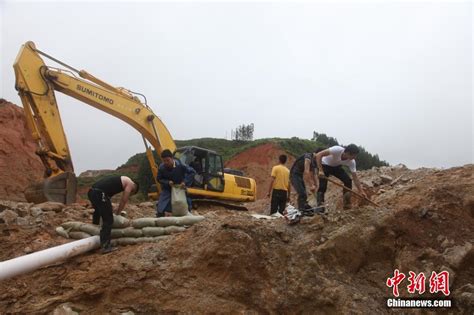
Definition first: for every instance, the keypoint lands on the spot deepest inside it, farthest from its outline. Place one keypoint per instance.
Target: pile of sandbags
(127, 232)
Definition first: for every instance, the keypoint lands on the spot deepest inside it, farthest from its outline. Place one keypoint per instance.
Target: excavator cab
(207, 164)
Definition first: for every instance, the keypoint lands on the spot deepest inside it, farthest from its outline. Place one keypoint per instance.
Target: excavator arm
(36, 84)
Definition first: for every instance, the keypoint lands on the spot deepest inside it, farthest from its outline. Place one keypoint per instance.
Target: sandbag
(116, 233)
(62, 232)
(153, 231)
(143, 222)
(179, 203)
(166, 221)
(72, 225)
(90, 229)
(189, 220)
(78, 235)
(131, 232)
(173, 229)
(120, 222)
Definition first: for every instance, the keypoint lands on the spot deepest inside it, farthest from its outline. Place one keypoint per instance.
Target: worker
(302, 174)
(99, 195)
(172, 172)
(279, 187)
(330, 162)
(196, 164)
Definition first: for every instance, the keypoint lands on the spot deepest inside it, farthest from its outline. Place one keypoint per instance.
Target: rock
(367, 183)
(23, 221)
(51, 206)
(429, 253)
(386, 179)
(8, 216)
(28, 250)
(440, 238)
(377, 181)
(400, 167)
(128, 313)
(22, 212)
(454, 256)
(395, 180)
(147, 204)
(36, 211)
(447, 243)
(423, 213)
(65, 309)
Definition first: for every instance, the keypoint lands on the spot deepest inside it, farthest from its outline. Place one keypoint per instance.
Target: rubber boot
(106, 247)
(320, 201)
(346, 200)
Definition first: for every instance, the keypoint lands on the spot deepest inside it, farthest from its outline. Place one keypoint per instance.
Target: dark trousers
(278, 202)
(102, 209)
(336, 171)
(298, 183)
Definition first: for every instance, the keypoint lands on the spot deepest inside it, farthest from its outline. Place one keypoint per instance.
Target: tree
(243, 133)
(324, 139)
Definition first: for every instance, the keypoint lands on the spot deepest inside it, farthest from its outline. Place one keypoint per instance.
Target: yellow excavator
(36, 84)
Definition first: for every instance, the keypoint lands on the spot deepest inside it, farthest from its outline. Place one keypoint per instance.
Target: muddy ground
(234, 263)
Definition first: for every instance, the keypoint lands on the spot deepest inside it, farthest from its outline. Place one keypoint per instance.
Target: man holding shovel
(330, 162)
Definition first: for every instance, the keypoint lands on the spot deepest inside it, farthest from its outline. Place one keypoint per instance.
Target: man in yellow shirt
(279, 186)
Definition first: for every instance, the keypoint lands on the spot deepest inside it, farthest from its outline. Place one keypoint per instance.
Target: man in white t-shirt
(330, 162)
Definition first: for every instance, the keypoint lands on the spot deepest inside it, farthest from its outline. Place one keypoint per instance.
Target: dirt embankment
(232, 262)
(19, 165)
(257, 163)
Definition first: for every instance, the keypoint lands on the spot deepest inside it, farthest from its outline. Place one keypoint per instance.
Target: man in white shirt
(330, 162)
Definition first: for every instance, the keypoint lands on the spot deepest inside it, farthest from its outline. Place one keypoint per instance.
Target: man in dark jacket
(99, 196)
(172, 172)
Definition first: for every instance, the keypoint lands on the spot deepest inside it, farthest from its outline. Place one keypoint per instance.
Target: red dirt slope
(19, 165)
(257, 163)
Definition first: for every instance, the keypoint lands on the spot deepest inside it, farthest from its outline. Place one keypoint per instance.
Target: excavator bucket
(61, 188)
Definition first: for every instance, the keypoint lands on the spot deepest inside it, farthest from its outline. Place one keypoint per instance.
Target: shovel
(348, 189)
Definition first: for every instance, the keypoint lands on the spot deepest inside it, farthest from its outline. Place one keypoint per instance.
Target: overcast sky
(393, 77)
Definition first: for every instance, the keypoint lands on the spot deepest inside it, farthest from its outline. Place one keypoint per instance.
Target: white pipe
(33, 261)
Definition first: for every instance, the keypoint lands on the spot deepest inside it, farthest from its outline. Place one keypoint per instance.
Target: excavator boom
(36, 84)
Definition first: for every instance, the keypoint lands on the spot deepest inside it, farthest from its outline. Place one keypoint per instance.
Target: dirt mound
(257, 163)
(19, 165)
(233, 263)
